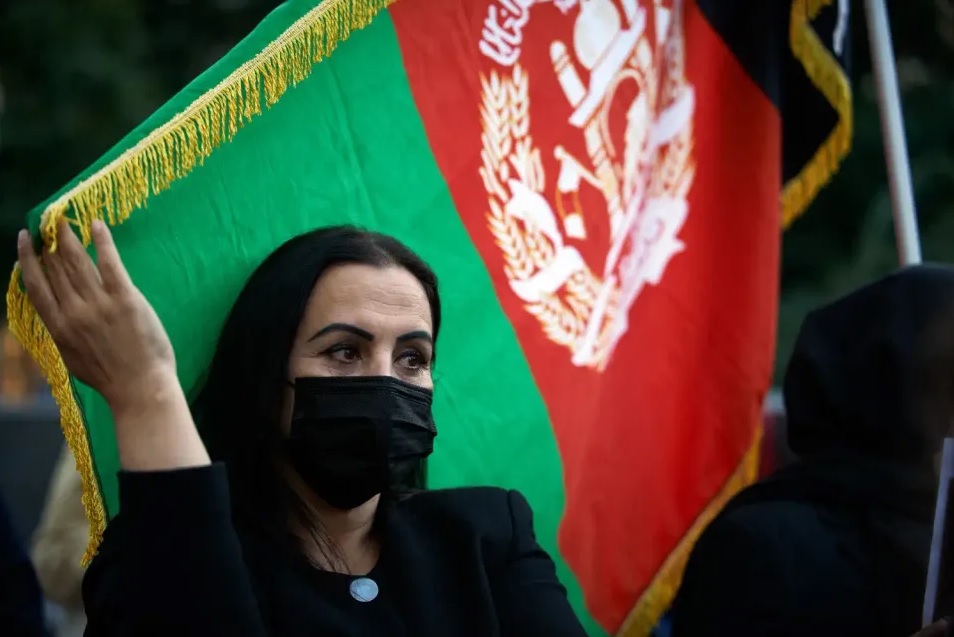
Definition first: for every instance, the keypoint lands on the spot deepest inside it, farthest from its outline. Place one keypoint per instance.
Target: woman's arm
(530, 599)
(170, 563)
(111, 339)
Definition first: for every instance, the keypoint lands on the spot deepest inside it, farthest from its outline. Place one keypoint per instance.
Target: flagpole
(892, 129)
(909, 253)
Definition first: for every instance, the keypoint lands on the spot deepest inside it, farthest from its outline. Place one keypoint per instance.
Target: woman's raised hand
(111, 339)
(108, 335)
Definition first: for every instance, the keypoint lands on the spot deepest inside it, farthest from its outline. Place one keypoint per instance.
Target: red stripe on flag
(648, 441)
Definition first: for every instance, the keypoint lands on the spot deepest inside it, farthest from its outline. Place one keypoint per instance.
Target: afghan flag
(599, 184)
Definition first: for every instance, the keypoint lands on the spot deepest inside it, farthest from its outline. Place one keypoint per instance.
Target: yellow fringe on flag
(29, 330)
(829, 78)
(660, 593)
(165, 155)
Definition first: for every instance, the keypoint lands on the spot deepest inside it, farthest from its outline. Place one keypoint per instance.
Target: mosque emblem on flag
(586, 212)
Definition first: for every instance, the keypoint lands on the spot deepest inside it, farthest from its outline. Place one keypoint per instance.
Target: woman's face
(364, 321)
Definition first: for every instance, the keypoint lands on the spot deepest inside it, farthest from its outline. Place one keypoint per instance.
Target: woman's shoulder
(490, 512)
(462, 497)
(463, 501)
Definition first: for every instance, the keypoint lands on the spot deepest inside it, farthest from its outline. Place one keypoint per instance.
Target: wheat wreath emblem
(509, 154)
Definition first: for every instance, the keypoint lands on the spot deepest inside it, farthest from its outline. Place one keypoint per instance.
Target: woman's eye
(414, 360)
(344, 354)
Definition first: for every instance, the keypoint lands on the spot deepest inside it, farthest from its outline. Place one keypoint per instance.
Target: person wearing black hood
(838, 543)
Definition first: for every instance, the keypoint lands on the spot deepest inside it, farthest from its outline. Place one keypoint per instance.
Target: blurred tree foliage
(76, 76)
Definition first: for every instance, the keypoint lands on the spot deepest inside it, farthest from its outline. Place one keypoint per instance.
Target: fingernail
(98, 225)
(22, 238)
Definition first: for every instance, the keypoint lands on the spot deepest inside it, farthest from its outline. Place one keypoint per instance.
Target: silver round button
(364, 589)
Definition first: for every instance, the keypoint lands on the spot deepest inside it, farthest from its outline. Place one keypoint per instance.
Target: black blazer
(454, 563)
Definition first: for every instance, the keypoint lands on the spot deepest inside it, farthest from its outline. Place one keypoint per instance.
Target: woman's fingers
(34, 279)
(76, 263)
(56, 276)
(66, 281)
(111, 269)
(66, 284)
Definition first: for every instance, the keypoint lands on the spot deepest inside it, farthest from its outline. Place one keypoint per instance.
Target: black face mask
(353, 437)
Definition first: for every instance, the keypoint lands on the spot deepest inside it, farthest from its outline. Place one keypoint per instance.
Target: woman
(318, 400)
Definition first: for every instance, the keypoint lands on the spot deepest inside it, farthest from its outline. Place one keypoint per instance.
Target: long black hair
(238, 410)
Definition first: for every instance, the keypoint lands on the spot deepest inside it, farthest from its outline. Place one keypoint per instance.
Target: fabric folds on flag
(598, 183)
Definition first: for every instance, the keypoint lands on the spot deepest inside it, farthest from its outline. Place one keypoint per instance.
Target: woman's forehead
(368, 296)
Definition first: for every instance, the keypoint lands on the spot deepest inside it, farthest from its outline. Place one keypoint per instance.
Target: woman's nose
(380, 365)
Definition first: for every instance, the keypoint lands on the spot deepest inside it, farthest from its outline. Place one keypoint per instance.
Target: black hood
(873, 372)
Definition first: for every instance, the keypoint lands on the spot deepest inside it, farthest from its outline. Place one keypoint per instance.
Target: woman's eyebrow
(419, 335)
(344, 327)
